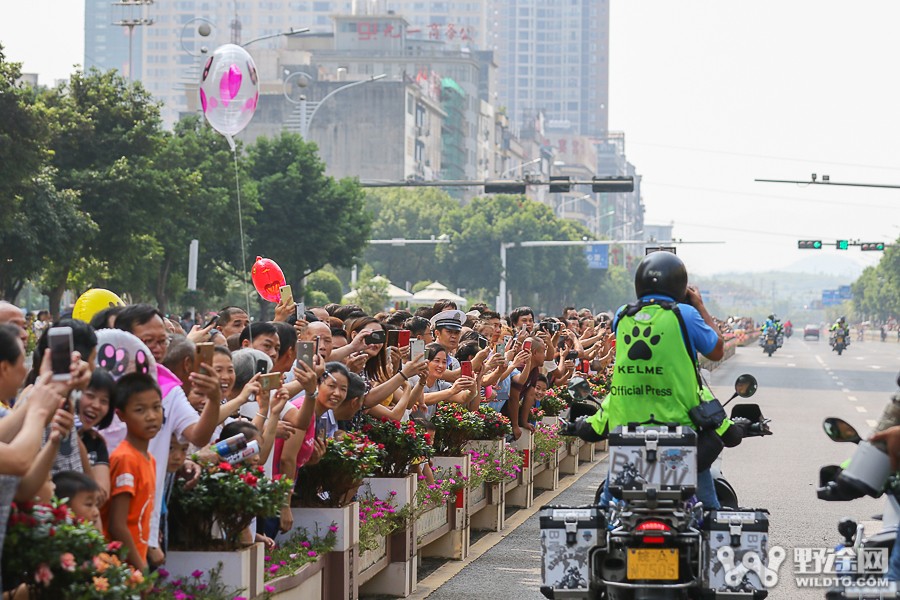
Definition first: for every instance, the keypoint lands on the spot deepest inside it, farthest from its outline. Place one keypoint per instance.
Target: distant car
(811, 331)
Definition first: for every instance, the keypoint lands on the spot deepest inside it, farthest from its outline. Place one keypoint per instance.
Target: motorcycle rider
(840, 326)
(657, 339)
(772, 323)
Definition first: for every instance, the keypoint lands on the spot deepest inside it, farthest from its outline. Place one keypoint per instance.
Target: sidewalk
(511, 570)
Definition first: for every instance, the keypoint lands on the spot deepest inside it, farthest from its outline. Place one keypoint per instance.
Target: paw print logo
(641, 350)
(141, 363)
(114, 360)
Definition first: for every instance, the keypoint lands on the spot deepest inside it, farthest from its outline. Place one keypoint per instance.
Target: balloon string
(237, 185)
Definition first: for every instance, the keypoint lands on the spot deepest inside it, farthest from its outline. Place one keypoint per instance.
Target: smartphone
(318, 341)
(204, 354)
(261, 366)
(403, 336)
(416, 350)
(305, 353)
(393, 338)
(501, 348)
(465, 368)
(482, 342)
(60, 344)
(214, 319)
(526, 346)
(301, 311)
(376, 337)
(507, 339)
(269, 382)
(287, 296)
(320, 432)
(572, 355)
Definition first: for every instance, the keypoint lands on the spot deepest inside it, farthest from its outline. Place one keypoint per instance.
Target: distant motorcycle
(788, 330)
(840, 341)
(771, 341)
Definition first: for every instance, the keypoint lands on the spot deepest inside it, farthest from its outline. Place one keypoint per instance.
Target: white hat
(449, 319)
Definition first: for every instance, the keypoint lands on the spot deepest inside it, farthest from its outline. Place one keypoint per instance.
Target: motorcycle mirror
(840, 430)
(745, 385)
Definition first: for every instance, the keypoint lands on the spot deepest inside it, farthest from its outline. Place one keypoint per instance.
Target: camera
(376, 337)
(550, 327)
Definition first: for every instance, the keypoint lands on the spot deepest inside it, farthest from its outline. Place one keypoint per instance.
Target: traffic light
(872, 247)
(612, 184)
(505, 187)
(810, 244)
(560, 184)
(842, 244)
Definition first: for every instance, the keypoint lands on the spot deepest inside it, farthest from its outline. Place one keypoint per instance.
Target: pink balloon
(230, 86)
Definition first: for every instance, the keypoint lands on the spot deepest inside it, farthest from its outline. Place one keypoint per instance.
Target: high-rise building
(553, 57)
(106, 44)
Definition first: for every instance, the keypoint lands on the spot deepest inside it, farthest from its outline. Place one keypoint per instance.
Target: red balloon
(267, 278)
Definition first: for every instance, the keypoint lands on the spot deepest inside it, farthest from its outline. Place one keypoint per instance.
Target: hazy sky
(711, 94)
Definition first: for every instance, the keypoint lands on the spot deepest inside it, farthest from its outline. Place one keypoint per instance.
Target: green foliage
(402, 445)
(307, 220)
(371, 293)
(876, 294)
(421, 285)
(327, 283)
(301, 549)
(229, 496)
(333, 480)
(316, 298)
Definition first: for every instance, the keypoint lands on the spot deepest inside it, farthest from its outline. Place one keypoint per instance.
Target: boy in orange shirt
(132, 470)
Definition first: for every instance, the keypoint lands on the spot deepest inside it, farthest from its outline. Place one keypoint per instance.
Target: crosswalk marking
(861, 409)
(851, 398)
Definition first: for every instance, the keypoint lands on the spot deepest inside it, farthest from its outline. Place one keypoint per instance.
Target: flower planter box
(587, 453)
(523, 495)
(305, 583)
(397, 576)
(240, 568)
(340, 573)
(600, 446)
(453, 544)
(550, 420)
(371, 562)
(492, 515)
(478, 496)
(548, 477)
(569, 463)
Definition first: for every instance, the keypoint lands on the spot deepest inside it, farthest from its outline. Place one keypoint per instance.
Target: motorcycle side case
(739, 532)
(568, 536)
(661, 458)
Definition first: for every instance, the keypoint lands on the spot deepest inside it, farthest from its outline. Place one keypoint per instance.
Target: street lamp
(131, 24)
(306, 110)
(517, 167)
(206, 27)
(398, 242)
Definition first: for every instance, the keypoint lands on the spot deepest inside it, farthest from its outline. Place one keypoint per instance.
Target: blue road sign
(597, 256)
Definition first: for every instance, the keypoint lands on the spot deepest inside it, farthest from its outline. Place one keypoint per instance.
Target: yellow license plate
(840, 340)
(658, 564)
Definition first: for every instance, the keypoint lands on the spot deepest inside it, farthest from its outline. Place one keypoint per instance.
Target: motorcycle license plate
(654, 564)
(840, 340)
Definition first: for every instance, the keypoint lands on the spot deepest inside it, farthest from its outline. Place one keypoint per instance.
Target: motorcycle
(770, 342)
(656, 541)
(788, 330)
(840, 341)
(868, 473)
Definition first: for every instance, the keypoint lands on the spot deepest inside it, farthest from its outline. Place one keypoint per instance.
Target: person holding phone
(463, 390)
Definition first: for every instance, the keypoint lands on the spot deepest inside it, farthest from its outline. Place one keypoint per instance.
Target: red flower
(61, 512)
(260, 469)
(250, 479)
(113, 546)
(224, 466)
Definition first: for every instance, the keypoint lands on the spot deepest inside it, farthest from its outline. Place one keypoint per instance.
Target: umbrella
(434, 292)
(395, 294)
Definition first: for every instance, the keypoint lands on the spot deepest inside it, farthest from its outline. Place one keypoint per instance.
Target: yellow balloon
(93, 301)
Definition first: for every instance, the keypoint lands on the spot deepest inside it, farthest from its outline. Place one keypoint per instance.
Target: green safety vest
(653, 372)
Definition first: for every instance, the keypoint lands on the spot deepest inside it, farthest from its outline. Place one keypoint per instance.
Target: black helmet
(771, 317)
(661, 273)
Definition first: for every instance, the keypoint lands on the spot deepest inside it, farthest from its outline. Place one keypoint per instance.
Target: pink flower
(293, 556)
(334, 528)
(197, 574)
(43, 575)
(162, 573)
(270, 589)
(274, 569)
(311, 554)
(305, 544)
(67, 561)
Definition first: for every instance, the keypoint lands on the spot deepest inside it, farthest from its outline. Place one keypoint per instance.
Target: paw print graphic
(640, 349)
(114, 360)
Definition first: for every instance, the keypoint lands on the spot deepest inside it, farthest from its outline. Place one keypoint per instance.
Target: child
(177, 456)
(126, 515)
(251, 433)
(83, 495)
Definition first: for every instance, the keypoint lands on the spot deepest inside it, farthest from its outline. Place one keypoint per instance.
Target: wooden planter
(546, 476)
(522, 495)
(568, 465)
(373, 561)
(241, 569)
(453, 544)
(305, 583)
(340, 572)
(397, 571)
(487, 503)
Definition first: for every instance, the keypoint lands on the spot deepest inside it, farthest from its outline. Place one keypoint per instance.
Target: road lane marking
(792, 365)
(875, 366)
(819, 358)
(851, 398)
(839, 383)
(845, 390)
(871, 422)
(861, 409)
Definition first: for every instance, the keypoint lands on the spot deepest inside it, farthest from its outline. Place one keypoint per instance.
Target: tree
(407, 213)
(307, 219)
(105, 134)
(325, 282)
(192, 186)
(371, 293)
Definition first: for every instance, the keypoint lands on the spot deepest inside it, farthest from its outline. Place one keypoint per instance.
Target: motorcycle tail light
(653, 526)
(651, 531)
